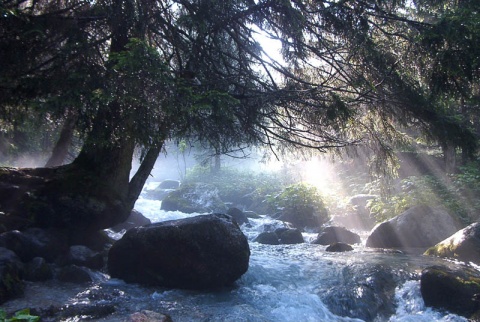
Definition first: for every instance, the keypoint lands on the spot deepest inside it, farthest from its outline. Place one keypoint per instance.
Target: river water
(283, 283)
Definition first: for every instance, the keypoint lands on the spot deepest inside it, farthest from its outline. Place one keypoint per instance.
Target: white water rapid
(284, 283)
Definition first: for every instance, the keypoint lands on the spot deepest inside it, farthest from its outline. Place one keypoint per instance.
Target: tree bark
(138, 180)
(60, 151)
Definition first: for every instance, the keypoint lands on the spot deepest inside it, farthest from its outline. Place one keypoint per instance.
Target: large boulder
(418, 227)
(201, 252)
(333, 234)
(194, 197)
(464, 245)
(455, 290)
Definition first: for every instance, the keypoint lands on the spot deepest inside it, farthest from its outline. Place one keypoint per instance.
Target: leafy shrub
(302, 201)
(233, 185)
(23, 315)
(453, 193)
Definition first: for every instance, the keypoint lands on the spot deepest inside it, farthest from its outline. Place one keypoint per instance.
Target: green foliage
(300, 199)
(22, 315)
(234, 184)
(458, 193)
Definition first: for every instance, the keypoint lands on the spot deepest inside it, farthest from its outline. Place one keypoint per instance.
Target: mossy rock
(463, 245)
(194, 198)
(455, 290)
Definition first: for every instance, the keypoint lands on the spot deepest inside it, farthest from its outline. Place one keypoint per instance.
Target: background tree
(140, 72)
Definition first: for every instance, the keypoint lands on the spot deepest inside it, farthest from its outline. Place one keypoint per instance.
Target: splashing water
(283, 283)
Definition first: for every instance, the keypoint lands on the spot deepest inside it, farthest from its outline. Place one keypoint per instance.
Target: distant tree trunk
(217, 163)
(60, 151)
(449, 155)
(465, 115)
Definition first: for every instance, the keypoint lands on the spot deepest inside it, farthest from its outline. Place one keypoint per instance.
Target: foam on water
(283, 283)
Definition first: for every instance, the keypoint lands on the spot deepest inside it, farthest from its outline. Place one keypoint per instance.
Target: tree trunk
(217, 163)
(94, 191)
(449, 155)
(138, 180)
(60, 151)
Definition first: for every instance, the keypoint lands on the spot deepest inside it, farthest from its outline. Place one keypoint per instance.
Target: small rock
(38, 270)
(333, 234)
(74, 274)
(83, 256)
(289, 236)
(339, 247)
(148, 316)
(134, 220)
(237, 215)
(268, 238)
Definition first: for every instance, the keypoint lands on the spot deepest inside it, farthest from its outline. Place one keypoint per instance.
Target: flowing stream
(284, 283)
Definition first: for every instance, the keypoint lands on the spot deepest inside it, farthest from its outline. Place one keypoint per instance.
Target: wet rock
(195, 197)
(333, 234)
(280, 236)
(252, 215)
(83, 256)
(169, 184)
(464, 245)
(306, 219)
(339, 247)
(289, 236)
(38, 270)
(11, 273)
(74, 274)
(237, 215)
(163, 189)
(201, 252)
(418, 227)
(34, 242)
(455, 290)
(134, 220)
(98, 240)
(268, 238)
(148, 316)
(364, 291)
